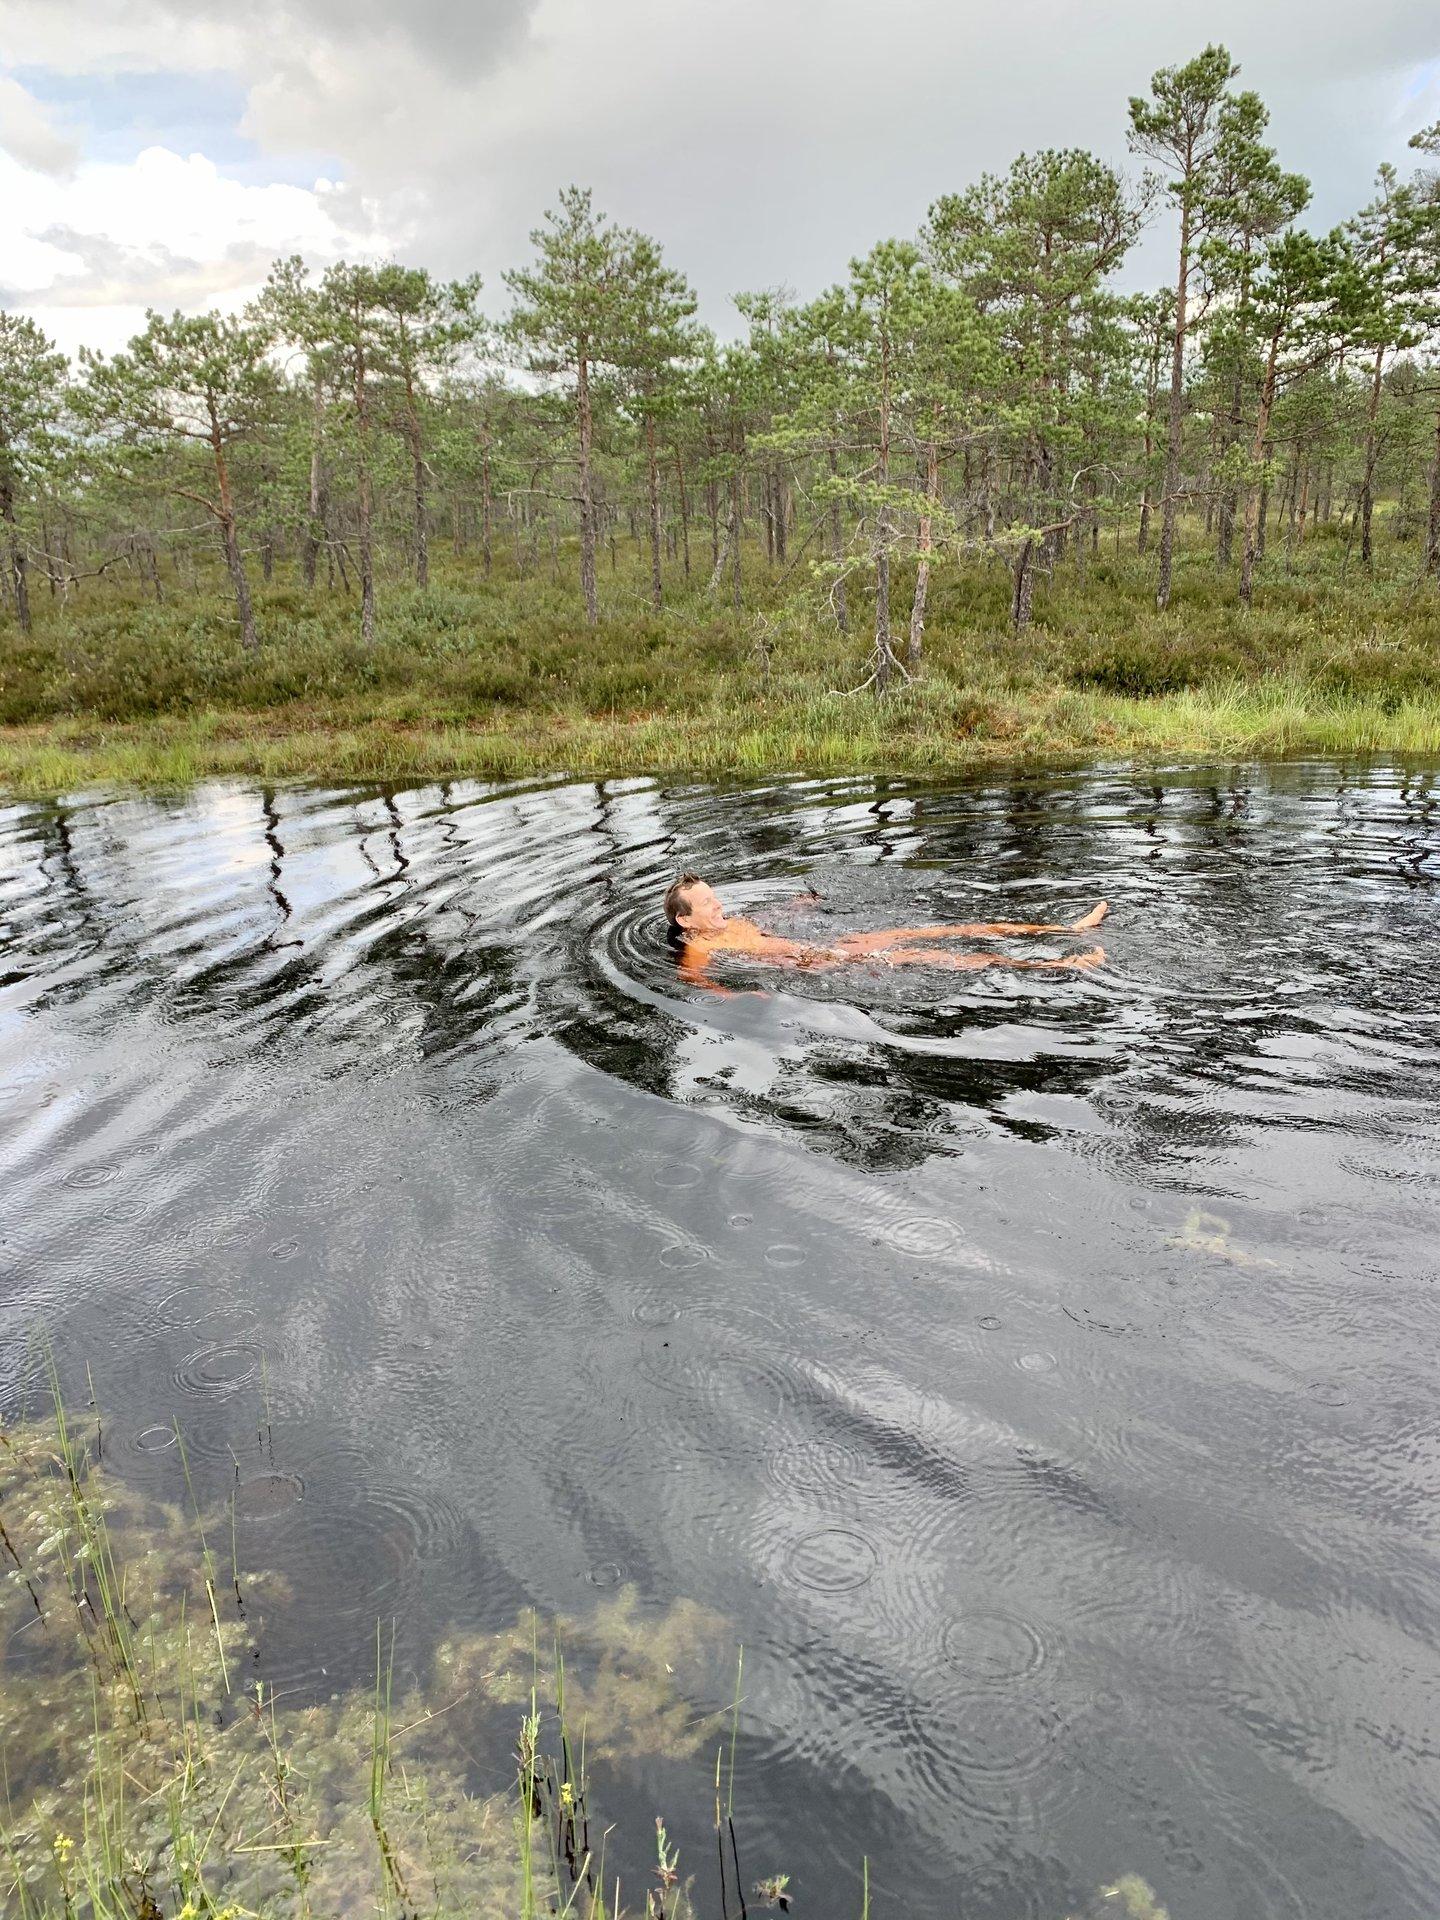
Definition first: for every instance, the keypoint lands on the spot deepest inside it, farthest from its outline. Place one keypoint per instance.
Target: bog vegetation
(584, 532)
(153, 1772)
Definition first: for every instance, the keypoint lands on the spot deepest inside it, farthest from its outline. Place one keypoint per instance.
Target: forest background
(972, 501)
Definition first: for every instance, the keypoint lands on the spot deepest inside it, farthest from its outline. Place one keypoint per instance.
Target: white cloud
(28, 135)
(764, 141)
(87, 256)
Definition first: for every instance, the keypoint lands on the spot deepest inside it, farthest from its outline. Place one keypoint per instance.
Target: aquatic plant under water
(152, 1773)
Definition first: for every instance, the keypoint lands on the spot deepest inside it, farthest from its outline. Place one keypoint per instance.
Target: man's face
(703, 912)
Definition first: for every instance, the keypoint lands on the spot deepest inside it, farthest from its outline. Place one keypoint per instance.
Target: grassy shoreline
(498, 678)
(1272, 719)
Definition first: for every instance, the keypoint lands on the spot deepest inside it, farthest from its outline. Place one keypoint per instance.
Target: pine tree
(422, 324)
(654, 341)
(1250, 197)
(1421, 246)
(1378, 236)
(1308, 303)
(190, 382)
(1181, 126)
(567, 323)
(32, 390)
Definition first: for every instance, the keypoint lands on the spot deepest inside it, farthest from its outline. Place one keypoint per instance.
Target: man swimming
(701, 928)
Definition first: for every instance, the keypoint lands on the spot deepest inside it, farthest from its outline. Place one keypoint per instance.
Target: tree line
(982, 388)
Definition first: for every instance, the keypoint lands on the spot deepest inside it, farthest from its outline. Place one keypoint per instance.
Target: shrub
(1146, 667)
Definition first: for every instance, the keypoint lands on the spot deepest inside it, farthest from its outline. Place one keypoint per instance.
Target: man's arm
(696, 955)
(694, 959)
(768, 948)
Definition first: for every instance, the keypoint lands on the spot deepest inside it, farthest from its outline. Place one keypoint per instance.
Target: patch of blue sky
(115, 116)
(1420, 81)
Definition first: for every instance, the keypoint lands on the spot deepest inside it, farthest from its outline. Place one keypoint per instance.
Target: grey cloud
(765, 140)
(773, 142)
(112, 274)
(460, 36)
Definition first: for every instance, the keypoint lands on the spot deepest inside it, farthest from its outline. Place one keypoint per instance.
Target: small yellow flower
(567, 1795)
(64, 1846)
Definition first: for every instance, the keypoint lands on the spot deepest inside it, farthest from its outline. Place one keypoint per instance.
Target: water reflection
(1031, 1371)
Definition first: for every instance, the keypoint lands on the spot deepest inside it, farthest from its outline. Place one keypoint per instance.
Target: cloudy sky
(160, 152)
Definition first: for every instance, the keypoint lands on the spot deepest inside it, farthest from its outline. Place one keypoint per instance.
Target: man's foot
(1093, 918)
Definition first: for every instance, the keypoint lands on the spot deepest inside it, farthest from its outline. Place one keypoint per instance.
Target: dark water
(1036, 1373)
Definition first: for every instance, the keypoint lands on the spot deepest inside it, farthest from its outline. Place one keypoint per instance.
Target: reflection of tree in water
(67, 920)
(81, 915)
(441, 985)
(1218, 958)
(277, 861)
(442, 989)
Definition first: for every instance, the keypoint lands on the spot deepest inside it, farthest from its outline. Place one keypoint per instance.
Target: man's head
(693, 907)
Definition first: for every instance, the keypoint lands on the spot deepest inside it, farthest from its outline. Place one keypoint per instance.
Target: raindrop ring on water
(987, 1644)
(678, 1173)
(678, 1256)
(655, 1308)
(922, 1236)
(832, 1560)
(97, 1176)
(1330, 1393)
(267, 1495)
(218, 1369)
(784, 1254)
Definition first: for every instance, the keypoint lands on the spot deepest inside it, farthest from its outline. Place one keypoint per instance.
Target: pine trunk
(1174, 444)
(19, 571)
(652, 475)
(1023, 591)
(922, 566)
(587, 498)
(1367, 492)
(1229, 500)
(1297, 532)
(230, 542)
(315, 504)
(365, 501)
(1255, 502)
(884, 652)
(418, 483)
(837, 554)
(737, 519)
(684, 511)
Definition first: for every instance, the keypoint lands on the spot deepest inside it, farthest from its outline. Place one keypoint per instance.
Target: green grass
(500, 678)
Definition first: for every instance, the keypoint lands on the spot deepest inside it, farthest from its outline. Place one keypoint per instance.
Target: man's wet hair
(677, 897)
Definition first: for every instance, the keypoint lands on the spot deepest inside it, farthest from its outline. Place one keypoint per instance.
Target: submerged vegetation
(150, 1769)
(360, 529)
(152, 1772)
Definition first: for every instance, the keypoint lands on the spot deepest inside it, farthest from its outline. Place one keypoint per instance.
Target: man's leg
(943, 958)
(889, 937)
